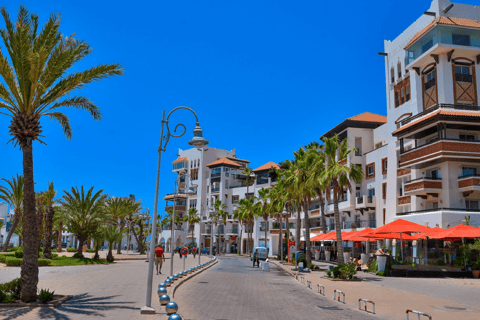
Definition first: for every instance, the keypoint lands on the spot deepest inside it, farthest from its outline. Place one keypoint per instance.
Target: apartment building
(216, 174)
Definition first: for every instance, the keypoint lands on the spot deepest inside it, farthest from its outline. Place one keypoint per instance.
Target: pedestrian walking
(180, 252)
(255, 259)
(159, 259)
(194, 251)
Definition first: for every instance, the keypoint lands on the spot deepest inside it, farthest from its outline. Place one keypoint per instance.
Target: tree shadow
(82, 305)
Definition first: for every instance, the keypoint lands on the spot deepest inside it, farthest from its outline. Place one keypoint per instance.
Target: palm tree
(49, 201)
(192, 218)
(138, 232)
(220, 216)
(246, 211)
(13, 196)
(117, 208)
(339, 174)
(58, 218)
(85, 212)
(317, 155)
(112, 233)
(263, 209)
(36, 84)
(248, 172)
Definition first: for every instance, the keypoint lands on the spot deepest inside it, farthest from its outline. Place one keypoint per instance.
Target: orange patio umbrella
(393, 235)
(458, 232)
(429, 234)
(320, 237)
(333, 235)
(357, 234)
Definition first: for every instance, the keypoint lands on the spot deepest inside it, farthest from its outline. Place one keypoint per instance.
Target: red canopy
(429, 234)
(349, 235)
(401, 225)
(392, 235)
(359, 236)
(457, 233)
(321, 236)
(333, 235)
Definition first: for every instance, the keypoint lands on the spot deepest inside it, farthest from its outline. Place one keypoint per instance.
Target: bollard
(366, 301)
(296, 276)
(302, 280)
(419, 314)
(174, 317)
(164, 299)
(335, 295)
(161, 291)
(171, 307)
(320, 288)
(309, 284)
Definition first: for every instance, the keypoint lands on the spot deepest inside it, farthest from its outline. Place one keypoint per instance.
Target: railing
(330, 202)
(239, 185)
(360, 200)
(234, 231)
(437, 107)
(438, 209)
(217, 189)
(214, 175)
(423, 178)
(359, 224)
(314, 207)
(471, 175)
(358, 153)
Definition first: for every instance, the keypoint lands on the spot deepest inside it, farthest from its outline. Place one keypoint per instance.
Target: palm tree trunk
(323, 220)
(119, 244)
(140, 245)
(29, 272)
(280, 238)
(47, 236)
(81, 242)
(16, 220)
(110, 255)
(240, 245)
(297, 231)
(59, 239)
(338, 230)
(288, 234)
(307, 232)
(266, 226)
(97, 247)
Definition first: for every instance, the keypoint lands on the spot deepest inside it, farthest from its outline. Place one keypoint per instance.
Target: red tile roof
(267, 166)
(224, 161)
(438, 112)
(182, 159)
(369, 117)
(172, 196)
(450, 21)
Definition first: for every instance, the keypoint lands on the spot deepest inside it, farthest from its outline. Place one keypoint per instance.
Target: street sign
(184, 251)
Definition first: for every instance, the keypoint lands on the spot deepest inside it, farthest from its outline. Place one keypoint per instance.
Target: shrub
(347, 271)
(13, 287)
(70, 249)
(304, 260)
(91, 250)
(312, 266)
(78, 255)
(54, 255)
(381, 274)
(44, 262)
(13, 261)
(329, 273)
(3, 296)
(13, 249)
(4, 256)
(45, 296)
(10, 298)
(19, 253)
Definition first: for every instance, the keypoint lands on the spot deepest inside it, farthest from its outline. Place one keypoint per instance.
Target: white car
(262, 253)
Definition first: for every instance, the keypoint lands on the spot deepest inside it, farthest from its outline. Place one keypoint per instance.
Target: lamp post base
(147, 310)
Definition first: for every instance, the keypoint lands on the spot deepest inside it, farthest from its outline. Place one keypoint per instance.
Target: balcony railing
(424, 178)
(359, 224)
(216, 189)
(233, 231)
(443, 106)
(472, 175)
(437, 210)
(343, 199)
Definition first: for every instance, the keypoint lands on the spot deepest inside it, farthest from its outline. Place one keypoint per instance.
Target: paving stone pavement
(233, 290)
(116, 291)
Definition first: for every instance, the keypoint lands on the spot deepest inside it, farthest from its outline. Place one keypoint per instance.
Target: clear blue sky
(265, 77)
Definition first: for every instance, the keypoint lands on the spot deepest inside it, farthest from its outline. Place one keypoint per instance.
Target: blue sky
(265, 77)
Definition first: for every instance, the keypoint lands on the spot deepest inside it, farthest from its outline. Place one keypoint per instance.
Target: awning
(458, 232)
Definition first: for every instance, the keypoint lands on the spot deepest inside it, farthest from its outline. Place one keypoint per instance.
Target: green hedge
(13, 249)
(90, 250)
(19, 254)
(14, 262)
(4, 256)
(17, 262)
(70, 249)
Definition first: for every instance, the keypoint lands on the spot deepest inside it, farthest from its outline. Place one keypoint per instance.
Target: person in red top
(158, 258)
(194, 251)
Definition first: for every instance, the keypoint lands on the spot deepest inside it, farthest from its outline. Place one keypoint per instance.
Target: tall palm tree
(36, 84)
(58, 218)
(49, 200)
(112, 233)
(220, 216)
(13, 196)
(192, 218)
(85, 212)
(248, 172)
(263, 209)
(117, 208)
(339, 174)
(317, 158)
(246, 211)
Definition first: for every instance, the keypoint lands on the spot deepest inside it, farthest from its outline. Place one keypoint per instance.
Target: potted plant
(381, 260)
(327, 254)
(474, 262)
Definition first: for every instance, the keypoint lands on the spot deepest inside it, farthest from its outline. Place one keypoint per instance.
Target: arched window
(464, 82)
(399, 69)
(392, 75)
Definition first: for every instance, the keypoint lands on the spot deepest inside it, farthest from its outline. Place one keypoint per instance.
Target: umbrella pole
(464, 258)
(401, 245)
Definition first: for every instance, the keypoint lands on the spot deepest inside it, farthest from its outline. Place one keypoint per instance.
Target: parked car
(262, 253)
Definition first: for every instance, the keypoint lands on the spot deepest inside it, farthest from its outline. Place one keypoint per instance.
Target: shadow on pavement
(82, 304)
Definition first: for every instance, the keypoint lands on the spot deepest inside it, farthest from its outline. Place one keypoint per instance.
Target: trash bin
(317, 255)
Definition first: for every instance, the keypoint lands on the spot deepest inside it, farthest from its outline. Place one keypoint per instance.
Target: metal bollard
(309, 284)
(302, 280)
(335, 295)
(366, 301)
(419, 314)
(320, 288)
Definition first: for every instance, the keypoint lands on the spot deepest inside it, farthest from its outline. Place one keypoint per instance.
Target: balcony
(178, 208)
(206, 231)
(461, 211)
(442, 39)
(214, 175)
(423, 187)
(364, 202)
(359, 224)
(216, 189)
(233, 231)
(402, 201)
(469, 183)
(441, 150)
(403, 172)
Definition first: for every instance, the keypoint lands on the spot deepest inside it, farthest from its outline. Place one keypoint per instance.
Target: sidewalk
(443, 299)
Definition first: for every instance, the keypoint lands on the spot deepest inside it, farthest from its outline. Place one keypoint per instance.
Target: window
(392, 75)
(399, 70)
(179, 165)
(370, 171)
(384, 190)
(397, 99)
(467, 137)
(357, 221)
(407, 92)
(358, 193)
(469, 171)
(463, 74)
(384, 165)
(235, 198)
(384, 214)
(433, 174)
(193, 203)
(402, 96)
(429, 79)
(472, 204)
(400, 192)
(461, 39)
(435, 205)
(427, 45)
(194, 174)
(371, 192)
(216, 172)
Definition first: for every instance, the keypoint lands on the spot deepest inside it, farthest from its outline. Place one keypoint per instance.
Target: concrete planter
(382, 263)
(317, 255)
(346, 257)
(327, 255)
(364, 258)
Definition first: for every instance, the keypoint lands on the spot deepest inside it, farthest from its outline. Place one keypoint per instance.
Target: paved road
(233, 290)
(114, 291)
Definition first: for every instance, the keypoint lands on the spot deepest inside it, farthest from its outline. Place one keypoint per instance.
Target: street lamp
(198, 142)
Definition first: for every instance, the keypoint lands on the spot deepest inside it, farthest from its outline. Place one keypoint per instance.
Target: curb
(36, 305)
(174, 288)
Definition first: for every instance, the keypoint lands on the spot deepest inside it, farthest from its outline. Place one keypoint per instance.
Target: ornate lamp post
(198, 142)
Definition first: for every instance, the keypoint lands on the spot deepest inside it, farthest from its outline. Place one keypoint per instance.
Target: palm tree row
(319, 172)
